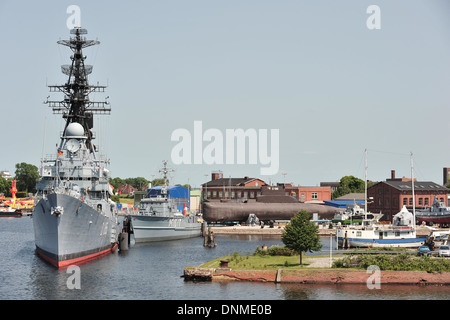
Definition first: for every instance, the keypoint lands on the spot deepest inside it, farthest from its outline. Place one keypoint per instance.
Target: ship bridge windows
(95, 195)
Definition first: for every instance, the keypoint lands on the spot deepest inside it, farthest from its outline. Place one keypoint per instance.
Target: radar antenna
(76, 106)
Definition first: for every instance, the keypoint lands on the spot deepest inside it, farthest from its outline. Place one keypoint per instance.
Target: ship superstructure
(74, 218)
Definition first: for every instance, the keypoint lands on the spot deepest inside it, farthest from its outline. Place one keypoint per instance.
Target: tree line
(350, 184)
(140, 182)
(27, 174)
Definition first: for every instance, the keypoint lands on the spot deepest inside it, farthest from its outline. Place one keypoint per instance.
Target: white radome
(74, 129)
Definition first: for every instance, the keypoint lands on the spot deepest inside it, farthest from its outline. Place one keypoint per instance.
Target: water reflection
(153, 271)
(358, 291)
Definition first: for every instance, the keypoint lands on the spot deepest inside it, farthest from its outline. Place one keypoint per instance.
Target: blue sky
(311, 69)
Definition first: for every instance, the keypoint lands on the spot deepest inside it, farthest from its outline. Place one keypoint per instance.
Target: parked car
(444, 251)
(424, 251)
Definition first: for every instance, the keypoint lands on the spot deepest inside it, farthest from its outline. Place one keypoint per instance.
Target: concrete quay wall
(317, 276)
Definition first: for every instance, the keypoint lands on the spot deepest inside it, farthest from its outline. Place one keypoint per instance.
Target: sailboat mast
(413, 196)
(365, 181)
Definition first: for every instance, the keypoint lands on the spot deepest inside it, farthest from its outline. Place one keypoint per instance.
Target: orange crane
(13, 190)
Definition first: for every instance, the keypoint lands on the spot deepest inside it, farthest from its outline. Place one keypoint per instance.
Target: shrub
(399, 262)
(275, 251)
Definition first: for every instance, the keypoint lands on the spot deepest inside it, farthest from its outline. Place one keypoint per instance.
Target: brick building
(126, 189)
(246, 188)
(220, 188)
(388, 197)
(305, 194)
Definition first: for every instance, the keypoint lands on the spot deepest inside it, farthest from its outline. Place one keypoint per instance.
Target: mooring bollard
(224, 263)
(123, 241)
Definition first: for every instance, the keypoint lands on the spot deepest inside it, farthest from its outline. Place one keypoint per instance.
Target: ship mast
(76, 106)
(165, 170)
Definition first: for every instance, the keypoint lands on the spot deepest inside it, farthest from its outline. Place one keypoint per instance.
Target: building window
(214, 194)
(232, 194)
(405, 201)
(314, 195)
(420, 201)
(252, 194)
(410, 201)
(426, 201)
(387, 202)
(209, 194)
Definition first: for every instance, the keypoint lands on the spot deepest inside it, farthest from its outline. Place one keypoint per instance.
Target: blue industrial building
(343, 203)
(181, 195)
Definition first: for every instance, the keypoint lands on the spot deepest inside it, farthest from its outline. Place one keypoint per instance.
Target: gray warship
(74, 219)
(159, 218)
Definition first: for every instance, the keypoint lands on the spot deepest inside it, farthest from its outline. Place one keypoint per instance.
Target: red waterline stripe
(76, 261)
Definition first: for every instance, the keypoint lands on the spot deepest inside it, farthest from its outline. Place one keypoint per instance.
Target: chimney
(216, 175)
(393, 174)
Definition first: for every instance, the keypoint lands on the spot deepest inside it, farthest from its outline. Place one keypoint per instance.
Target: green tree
(26, 176)
(3, 186)
(185, 185)
(140, 182)
(157, 182)
(116, 182)
(348, 184)
(301, 235)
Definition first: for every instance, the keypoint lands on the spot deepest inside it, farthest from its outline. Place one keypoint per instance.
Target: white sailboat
(402, 233)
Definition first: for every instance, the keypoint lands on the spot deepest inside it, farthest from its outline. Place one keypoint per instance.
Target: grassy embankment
(273, 258)
(261, 260)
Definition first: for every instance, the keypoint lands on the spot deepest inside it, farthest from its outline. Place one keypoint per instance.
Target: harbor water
(153, 271)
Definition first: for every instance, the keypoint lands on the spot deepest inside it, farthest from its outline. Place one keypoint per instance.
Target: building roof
(126, 188)
(342, 203)
(331, 184)
(352, 196)
(418, 185)
(230, 182)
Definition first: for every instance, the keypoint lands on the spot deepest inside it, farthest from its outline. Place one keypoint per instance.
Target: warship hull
(77, 234)
(154, 228)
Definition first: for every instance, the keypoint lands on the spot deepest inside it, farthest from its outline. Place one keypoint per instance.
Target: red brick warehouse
(388, 197)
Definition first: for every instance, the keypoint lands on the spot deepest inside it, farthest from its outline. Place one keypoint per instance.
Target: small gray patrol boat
(159, 218)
